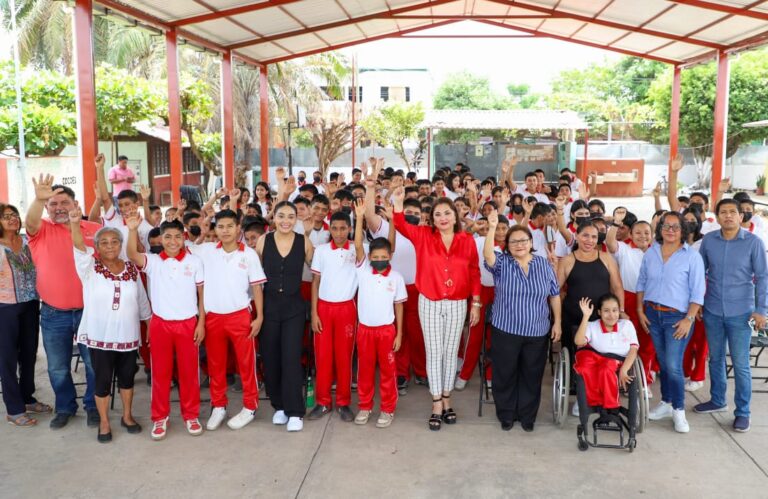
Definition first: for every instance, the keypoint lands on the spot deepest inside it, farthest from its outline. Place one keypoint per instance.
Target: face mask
(195, 231)
(317, 179)
(517, 209)
(413, 219)
(600, 237)
(747, 216)
(696, 206)
(582, 220)
(380, 265)
(155, 250)
(302, 178)
(346, 209)
(691, 227)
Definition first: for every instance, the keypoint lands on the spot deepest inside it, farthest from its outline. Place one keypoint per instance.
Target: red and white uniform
(541, 198)
(112, 219)
(336, 309)
(598, 371)
(412, 353)
(539, 241)
(229, 277)
(377, 293)
(173, 288)
(709, 224)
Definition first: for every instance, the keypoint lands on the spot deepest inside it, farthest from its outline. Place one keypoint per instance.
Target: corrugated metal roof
(269, 31)
(518, 119)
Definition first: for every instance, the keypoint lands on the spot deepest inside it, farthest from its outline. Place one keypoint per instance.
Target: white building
(379, 86)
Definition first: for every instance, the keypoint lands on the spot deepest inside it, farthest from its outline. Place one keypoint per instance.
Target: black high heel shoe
(435, 421)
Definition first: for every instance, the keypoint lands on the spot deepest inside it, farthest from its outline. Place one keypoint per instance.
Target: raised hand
(359, 208)
(76, 216)
(221, 193)
(560, 203)
(44, 188)
(585, 304)
(677, 163)
(657, 190)
(493, 220)
(505, 166)
(100, 159)
(398, 195)
(280, 174)
(133, 221)
(234, 196)
(725, 185)
(182, 204)
(527, 207)
(146, 191)
(290, 185)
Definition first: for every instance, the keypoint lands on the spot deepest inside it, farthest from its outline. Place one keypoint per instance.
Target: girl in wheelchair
(607, 349)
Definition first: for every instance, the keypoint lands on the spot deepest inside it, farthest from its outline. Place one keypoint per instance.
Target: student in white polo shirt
(380, 298)
(334, 317)
(536, 224)
(231, 270)
(178, 323)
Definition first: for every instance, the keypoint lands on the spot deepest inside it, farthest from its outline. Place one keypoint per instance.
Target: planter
(759, 191)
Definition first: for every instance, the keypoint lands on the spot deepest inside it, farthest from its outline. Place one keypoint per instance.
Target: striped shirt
(521, 305)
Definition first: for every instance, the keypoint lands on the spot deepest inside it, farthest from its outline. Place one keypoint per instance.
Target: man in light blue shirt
(737, 292)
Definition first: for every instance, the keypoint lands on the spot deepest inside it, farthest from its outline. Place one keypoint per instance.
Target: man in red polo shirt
(61, 293)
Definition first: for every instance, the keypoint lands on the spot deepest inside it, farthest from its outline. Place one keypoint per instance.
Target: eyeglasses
(671, 227)
(11, 216)
(515, 242)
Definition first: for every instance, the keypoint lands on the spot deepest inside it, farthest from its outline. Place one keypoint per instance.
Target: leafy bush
(47, 130)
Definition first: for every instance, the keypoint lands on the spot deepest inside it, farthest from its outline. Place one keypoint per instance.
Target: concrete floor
(334, 459)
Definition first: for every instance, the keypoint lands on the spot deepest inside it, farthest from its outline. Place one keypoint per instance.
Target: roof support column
(227, 122)
(674, 120)
(87, 142)
(429, 152)
(174, 114)
(264, 122)
(719, 145)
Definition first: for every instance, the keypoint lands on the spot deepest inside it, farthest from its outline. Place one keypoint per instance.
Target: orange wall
(616, 189)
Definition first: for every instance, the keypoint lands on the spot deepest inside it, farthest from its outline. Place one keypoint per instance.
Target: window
(159, 158)
(407, 94)
(191, 163)
(384, 92)
(359, 94)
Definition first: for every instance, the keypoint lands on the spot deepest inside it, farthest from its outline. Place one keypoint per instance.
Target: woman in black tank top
(283, 254)
(587, 272)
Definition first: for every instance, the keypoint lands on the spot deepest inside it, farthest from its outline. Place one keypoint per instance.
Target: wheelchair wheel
(561, 387)
(642, 396)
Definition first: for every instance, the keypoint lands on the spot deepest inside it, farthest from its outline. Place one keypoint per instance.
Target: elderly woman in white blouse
(115, 303)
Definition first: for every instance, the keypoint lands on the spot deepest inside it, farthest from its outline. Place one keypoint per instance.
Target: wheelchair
(560, 363)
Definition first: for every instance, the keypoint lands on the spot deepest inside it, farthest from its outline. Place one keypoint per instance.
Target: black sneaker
(507, 425)
(528, 427)
(149, 378)
(402, 385)
(93, 419)
(60, 420)
(318, 412)
(345, 413)
(419, 380)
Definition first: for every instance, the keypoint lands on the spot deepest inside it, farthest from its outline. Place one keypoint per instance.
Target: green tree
(122, 101)
(393, 125)
(522, 97)
(748, 101)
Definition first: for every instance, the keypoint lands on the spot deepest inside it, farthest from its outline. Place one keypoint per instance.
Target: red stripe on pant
(333, 351)
(475, 339)
(374, 345)
(695, 357)
(234, 327)
(600, 380)
(646, 350)
(412, 353)
(169, 339)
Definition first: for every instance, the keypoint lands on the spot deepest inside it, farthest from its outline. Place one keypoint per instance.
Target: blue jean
(669, 352)
(734, 330)
(59, 328)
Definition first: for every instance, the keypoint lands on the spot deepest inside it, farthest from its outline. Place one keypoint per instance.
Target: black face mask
(195, 231)
(346, 209)
(582, 220)
(747, 216)
(413, 219)
(380, 265)
(155, 250)
(696, 206)
(517, 209)
(302, 178)
(317, 179)
(601, 237)
(691, 227)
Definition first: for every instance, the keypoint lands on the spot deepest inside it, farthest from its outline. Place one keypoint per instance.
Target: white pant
(442, 322)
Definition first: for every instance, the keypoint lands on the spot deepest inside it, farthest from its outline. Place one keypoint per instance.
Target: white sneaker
(244, 417)
(661, 411)
(279, 418)
(460, 384)
(194, 427)
(295, 424)
(218, 414)
(385, 419)
(490, 385)
(575, 410)
(692, 386)
(678, 418)
(362, 417)
(159, 429)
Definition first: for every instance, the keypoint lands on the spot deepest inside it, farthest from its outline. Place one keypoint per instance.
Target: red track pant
(169, 339)
(374, 345)
(600, 380)
(695, 357)
(412, 353)
(333, 351)
(144, 352)
(646, 351)
(234, 327)
(475, 337)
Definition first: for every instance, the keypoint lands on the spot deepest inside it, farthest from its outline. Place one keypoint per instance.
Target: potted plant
(760, 184)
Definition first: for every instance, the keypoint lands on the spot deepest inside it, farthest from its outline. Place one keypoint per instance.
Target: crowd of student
(410, 276)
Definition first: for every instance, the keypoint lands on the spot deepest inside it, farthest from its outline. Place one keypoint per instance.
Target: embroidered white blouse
(114, 305)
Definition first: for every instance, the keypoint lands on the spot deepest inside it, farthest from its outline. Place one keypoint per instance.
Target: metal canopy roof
(517, 119)
(269, 31)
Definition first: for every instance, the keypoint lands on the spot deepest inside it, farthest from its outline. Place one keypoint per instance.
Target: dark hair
(696, 214)
(189, 216)
(512, 230)
(490, 203)
(340, 216)
(496, 189)
(515, 196)
(333, 176)
(309, 187)
(410, 175)
(560, 186)
(586, 225)
(265, 186)
(156, 231)
(193, 205)
(413, 203)
(153, 207)
(379, 243)
(427, 200)
(321, 199)
(255, 206)
(596, 202)
(462, 199)
(726, 201)
(449, 181)
(747, 201)
(605, 298)
(283, 204)
(658, 213)
(64, 190)
(540, 209)
(577, 205)
(344, 195)
(243, 190)
(255, 226)
(356, 170)
(438, 178)
(701, 195)
(683, 229)
(640, 222)
(566, 178)
(630, 219)
(411, 188)
(530, 174)
(449, 203)
(503, 220)
(684, 199)
(423, 181)
(173, 224)
(4, 207)
(301, 200)
(227, 214)
(741, 196)
(122, 157)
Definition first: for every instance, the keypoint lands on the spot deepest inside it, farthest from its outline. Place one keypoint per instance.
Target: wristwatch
(691, 318)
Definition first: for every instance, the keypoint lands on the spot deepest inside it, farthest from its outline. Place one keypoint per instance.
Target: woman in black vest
(283, 253)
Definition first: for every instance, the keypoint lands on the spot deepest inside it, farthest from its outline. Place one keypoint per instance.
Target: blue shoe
(741, 424)
(709, 408)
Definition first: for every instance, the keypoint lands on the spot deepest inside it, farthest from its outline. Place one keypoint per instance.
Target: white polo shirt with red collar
(377, 294)
(486, 278)
(404, 257)
(228, 276)
(630, 259)
(539, 241)
(317, 238)
(173, 283)
(112, 219)
(541, 198)
(336, 267)
(616, 340)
